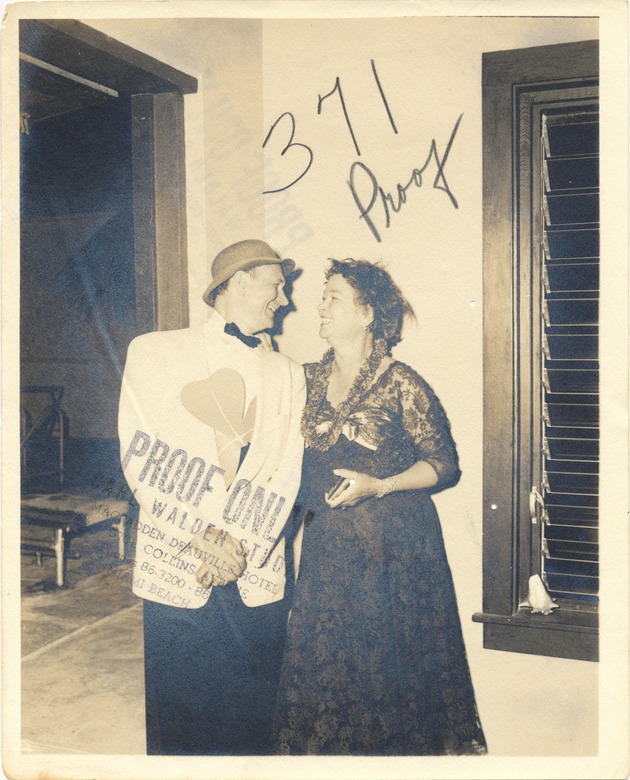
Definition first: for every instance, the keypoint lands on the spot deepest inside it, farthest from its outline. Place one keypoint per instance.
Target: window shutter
(569, 352)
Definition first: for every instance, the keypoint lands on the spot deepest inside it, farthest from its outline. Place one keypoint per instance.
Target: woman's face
(342, 317)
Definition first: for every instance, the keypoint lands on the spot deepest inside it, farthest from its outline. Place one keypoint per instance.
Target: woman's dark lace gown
(375, 662)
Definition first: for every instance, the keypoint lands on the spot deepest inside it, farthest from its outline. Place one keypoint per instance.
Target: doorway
(101, 132)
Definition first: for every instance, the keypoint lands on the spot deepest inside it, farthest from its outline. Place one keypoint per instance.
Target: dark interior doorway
(77, 293)
(102, 184)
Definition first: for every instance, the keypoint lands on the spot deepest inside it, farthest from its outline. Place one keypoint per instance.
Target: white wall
(430, 70)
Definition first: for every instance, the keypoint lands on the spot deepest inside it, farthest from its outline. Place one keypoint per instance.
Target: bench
(66, 514)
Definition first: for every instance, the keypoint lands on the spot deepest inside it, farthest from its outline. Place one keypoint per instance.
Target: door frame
(156, 91)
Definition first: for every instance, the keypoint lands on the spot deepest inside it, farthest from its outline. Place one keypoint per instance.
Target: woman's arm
(426, 425)
(357, 487)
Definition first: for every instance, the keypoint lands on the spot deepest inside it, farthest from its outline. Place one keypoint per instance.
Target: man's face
(264, 296)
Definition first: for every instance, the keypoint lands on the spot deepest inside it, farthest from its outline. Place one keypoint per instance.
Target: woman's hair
(374, 287)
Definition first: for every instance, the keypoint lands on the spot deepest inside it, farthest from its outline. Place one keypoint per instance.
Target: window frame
(514, 84)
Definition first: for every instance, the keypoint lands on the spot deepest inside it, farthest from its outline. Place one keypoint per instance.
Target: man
(209, 425)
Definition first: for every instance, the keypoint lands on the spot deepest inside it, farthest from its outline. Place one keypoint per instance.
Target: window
(541, 412)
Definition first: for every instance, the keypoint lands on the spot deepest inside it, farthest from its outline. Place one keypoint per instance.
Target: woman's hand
(354, 488)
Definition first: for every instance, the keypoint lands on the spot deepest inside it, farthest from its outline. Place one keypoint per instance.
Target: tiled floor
(82, 654)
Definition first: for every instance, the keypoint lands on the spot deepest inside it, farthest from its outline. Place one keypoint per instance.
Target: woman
(375, 662)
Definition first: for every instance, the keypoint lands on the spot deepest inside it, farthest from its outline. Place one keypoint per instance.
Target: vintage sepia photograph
(315, 396)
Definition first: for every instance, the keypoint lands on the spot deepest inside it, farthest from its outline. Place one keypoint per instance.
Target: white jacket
(173, 461)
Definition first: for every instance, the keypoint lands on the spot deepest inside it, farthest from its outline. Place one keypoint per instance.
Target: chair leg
(120, 526)
(59, 545)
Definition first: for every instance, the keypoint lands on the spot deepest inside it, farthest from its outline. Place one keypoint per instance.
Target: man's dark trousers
(211, 675)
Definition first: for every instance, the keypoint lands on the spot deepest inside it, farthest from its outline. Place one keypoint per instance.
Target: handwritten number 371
(291, 144)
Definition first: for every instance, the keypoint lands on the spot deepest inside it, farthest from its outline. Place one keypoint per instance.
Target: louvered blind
(569, 352)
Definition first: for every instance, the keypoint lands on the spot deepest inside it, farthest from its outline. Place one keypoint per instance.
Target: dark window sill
(569, 632)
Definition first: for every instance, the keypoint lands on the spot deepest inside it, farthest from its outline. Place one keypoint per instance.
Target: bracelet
(387, 486)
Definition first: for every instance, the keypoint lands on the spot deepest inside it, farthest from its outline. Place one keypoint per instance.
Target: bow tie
(232, 329)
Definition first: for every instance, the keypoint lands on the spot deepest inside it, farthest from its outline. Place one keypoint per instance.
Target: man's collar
(216, 326)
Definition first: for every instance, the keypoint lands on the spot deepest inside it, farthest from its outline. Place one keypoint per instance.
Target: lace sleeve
(426, 422)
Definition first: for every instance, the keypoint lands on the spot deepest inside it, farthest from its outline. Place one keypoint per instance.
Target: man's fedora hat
(241, 257)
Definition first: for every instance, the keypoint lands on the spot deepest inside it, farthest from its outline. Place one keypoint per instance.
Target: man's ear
(239, 283)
